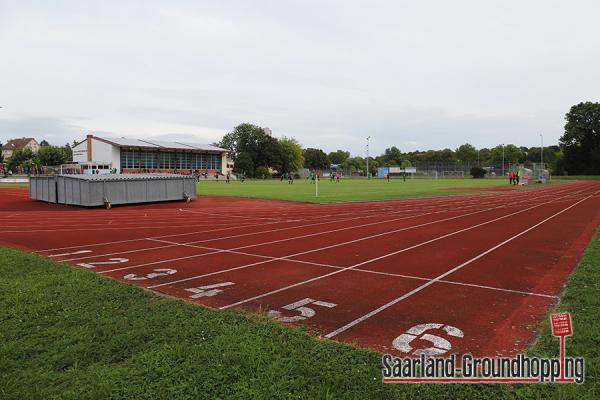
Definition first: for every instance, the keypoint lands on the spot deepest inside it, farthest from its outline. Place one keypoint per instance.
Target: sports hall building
(148, 155)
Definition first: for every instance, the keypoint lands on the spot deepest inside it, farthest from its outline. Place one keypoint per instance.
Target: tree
(485, 155)
(244, 164)
(68, 152)
(373, 165)
(392, 156)
(52, 155)
(338, 156)
(466, 153)
(22, 157)
(406, 163)
(291, 155)
(512, 154)
(581, 141)
(315, 158)
(44, 143)
(355, 164)
(1, 156)
(246, 138)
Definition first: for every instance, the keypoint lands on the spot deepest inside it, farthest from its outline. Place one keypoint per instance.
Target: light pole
(542, 149)
(503, 159)
(368, 174)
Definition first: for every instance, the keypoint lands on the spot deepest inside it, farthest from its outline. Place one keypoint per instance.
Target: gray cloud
(418, 75)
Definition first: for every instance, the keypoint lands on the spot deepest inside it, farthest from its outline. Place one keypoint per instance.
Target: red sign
(561, 324)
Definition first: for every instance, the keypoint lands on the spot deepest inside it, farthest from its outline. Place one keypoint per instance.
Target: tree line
(255, 153)
(48, 155)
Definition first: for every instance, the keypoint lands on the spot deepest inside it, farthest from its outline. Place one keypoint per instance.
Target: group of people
(513, 178)
(197, 173)
(288, 176)
(335, 177)
(388, 176)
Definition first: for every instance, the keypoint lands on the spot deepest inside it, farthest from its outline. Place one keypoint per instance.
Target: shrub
(478, 172)
(261, 171)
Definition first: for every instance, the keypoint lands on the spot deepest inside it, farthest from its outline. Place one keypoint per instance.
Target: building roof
(160, 144)
(15, 144)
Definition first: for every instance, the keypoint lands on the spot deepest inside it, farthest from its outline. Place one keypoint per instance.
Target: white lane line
(174, 244)
(231, 225)
(150, 237)
(258, 244)
(441, 276)
(320, 249)
(231, 215)
(404, 211)
(69, 254)
(264, 243)
(380, 257)
(442, 202)
(368, 271)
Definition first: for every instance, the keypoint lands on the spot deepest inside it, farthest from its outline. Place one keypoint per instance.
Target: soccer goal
(453, 174)
(541, 173)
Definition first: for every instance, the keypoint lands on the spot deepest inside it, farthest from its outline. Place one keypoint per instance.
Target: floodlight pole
(368, 174)
(542, 149)
(503, 159)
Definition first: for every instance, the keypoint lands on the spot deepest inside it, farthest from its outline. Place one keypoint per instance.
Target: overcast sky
(415, 74)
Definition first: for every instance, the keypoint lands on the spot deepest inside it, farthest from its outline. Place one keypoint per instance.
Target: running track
(442, 275)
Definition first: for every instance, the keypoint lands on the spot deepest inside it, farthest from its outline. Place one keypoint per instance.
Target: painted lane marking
(208, 290)
(440, 345)
(174, 244)
(300, 306)
(373, 259)
(291, 255)
(436, 201)
(157, 272)
(458, 267)
(109, 262)
(70, 254)
(217, 251)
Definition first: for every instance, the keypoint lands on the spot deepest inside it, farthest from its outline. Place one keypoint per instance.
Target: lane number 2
(301, 307)
(440, 345)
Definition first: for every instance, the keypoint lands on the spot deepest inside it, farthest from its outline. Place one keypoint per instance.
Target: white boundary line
(270, 231)
(175, 244)
(371, 215)
(380, 273)
(257, 244)
(443, 202)
(439, 277)
(373, 259)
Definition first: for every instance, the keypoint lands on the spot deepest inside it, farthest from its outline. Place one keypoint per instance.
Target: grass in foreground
(73, 334)
(349, 189)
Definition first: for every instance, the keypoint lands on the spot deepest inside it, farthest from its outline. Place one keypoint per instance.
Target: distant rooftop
(159, 144)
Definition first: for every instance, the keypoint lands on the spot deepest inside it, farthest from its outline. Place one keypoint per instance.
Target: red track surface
(488, 265)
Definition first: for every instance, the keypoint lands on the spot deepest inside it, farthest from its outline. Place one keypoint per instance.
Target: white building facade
(136, 155)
